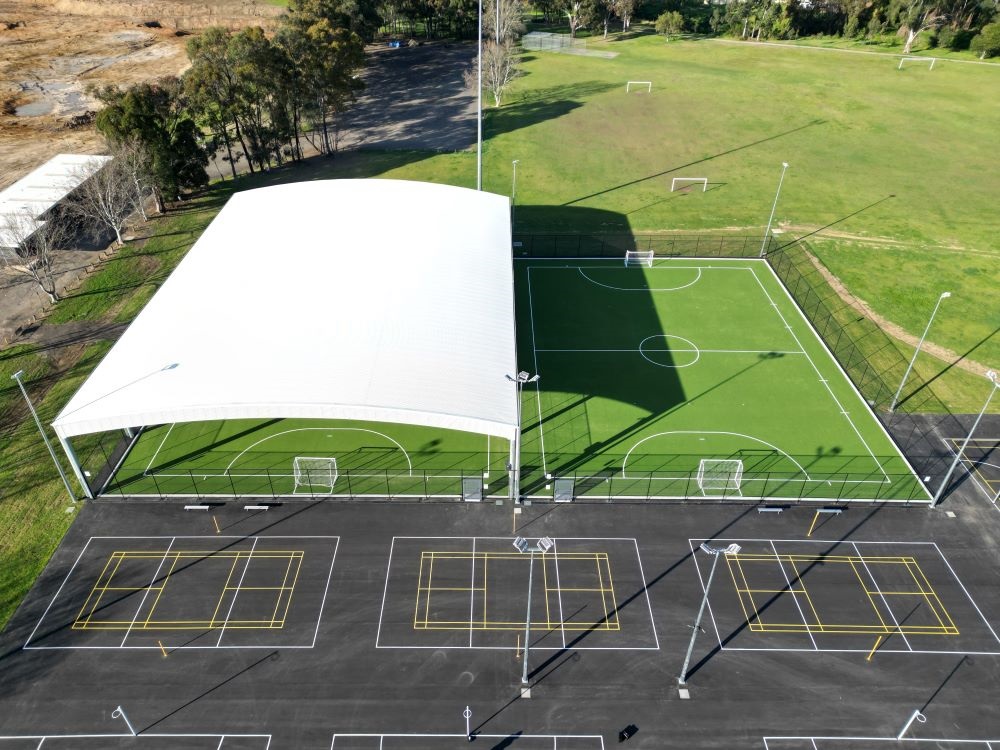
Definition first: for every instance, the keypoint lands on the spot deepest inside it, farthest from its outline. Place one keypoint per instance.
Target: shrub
(669, 23)
(987, 42)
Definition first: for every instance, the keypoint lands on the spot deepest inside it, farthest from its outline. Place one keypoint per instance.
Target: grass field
(645, 373)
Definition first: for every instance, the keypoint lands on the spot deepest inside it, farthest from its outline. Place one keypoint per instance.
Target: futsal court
(876, 743)
(201, 592)
(865, 597)
(652, 373)
(473, 593)
(137, 742)
(519, 740)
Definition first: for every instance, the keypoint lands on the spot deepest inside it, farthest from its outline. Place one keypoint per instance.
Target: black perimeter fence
(870, 358)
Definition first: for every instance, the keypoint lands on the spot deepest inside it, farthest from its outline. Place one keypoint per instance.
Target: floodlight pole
(767, 232)
(527, 619)
(732, 549)
(119, 713)
(895, 399)
(513, 193)
(515, 470)
(479, 105)
(992, 377)
(41, 431)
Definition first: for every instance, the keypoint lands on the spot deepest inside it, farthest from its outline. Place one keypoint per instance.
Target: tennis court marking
(43, 738)
(786, 325)
(596, 739)
(985, 485)
(319, 617)
(473, 590)
(693, 543)
(812, 743)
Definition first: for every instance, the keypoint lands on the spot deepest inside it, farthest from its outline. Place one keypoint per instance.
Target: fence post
(194, 484)
(155, 484)
(233, 484)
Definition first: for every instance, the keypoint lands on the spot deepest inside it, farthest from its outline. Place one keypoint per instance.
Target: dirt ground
(52, 50)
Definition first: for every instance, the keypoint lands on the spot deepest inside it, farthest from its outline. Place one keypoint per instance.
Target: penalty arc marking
(697, 278)
(712, 432)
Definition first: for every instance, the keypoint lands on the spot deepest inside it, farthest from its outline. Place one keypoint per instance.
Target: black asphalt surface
(266, 678)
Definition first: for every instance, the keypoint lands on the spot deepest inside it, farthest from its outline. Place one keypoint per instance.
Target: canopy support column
(75, 464)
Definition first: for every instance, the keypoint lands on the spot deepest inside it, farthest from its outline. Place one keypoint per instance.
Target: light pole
(479, 105)
(515, 470)
(992, 377)
(944, 296)
(767, 233)
(513, 193)
(732, 549)
(521, 545)
(69, 490)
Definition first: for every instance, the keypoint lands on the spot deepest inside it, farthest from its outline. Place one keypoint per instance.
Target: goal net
(719, 475)
(645, 87)
(918, 60)
(639, 258)
(315, 475)
(687, 182)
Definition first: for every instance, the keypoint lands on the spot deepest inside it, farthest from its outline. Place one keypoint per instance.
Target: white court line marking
(990, 496)
(236, 594)
(409, 463)
(819, 374)
(712, 432)
(846, 738)
(899, 630)
(472, 590)
(385, 592)
(138, 738)
(58, 592)
(694, 348)
(157, 451)
(562, 617)
(840, 369)
(681, 351)
(145, 594)
(221, 740)
(326, 590)
(645, 588)
(644, 289)
(966, 591)
(538, 391)
(798, 606)
(596, 739)
(813, 739)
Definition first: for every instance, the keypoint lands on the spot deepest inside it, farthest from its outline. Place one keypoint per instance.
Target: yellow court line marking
(805, 591)
(156, 601)
(753, 604)
(975, 464)
(101, 595)
(486, 561)
(928, 593)
(545, 584)
(284, 587)
(611, 590)
(416, 606)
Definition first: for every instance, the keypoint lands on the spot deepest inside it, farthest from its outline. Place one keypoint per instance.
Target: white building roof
(38, 191)
(377, 300)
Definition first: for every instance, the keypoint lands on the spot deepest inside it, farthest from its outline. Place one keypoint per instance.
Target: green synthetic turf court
(645, 372)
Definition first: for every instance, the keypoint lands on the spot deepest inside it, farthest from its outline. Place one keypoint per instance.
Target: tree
(37, 244)
(499, 68)
(625, 9)
(576, 16)
(156, 117)
(987, 42)
(135, 163)
(914, 16)
(359, 16)
(669, 23)
(105, 199)
(511, 19)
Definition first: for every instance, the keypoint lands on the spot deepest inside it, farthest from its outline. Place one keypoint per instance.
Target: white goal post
(916, 59)
(637, 84)
(720, 476)
(639, 258)
(702, 180)
(312, 472)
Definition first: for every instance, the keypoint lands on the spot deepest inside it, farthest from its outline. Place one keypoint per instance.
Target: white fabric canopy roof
(377, 300)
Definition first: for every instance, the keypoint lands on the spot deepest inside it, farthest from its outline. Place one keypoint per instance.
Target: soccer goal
(916, 60)
(639, 258)
(316, 475)
(720, 476)
(684, 182)
(638, 85)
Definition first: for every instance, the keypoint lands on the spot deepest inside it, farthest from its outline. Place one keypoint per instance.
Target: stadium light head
(732, 549)
(784, 165)
(171, 366)
(17, 375)
(945, 295)
(521, 544)
(522, 377)
(991, 375)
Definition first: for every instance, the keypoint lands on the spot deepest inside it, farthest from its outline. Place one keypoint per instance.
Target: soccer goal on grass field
(916, 60)
(685, 182)
(720, 476)
(639, 258)
(312, 472)
(638, 86)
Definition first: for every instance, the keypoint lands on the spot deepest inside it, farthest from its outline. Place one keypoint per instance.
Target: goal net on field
(316, 475)
(643, 86)
(639, 258)
(719, 476)
(686, 182)
(923, 60)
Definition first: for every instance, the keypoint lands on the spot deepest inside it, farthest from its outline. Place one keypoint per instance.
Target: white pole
(944, 296)
(992, 377)
(119, 713)
(527, 621)
(467, 713)
(715, 552)
(479, 106)
(915, 716)
(513, 193)
(517, 447)
(767, 232)
(41, 431)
